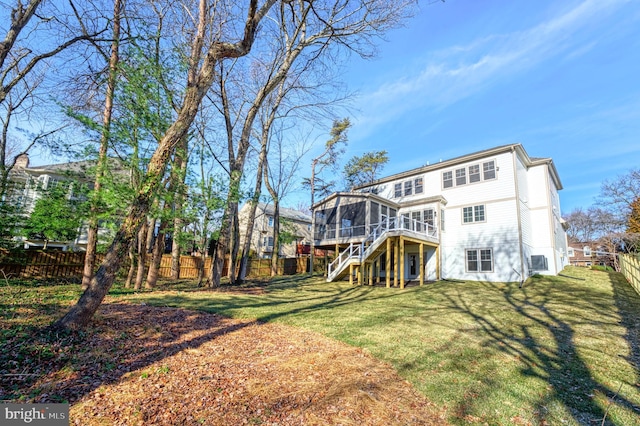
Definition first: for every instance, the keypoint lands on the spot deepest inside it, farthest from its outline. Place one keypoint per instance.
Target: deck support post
(421, 264)
(401, 262)
(438, 266)
(387, 273)
(351, 274)
(396, 262)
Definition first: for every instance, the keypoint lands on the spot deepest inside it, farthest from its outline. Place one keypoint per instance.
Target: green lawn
(561, 350)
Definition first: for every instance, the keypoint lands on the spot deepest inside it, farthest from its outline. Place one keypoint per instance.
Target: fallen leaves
(150, 365)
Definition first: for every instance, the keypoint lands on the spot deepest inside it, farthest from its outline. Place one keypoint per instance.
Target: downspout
(523, 274)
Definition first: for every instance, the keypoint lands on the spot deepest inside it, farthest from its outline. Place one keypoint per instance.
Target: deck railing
(362, 250)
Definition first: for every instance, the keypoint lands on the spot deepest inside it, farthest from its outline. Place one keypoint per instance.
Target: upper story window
(473, 214)
(474, 173)
(570, 252)
(470, 174)
(461, 177)
(586, 250)
(447, 180)
(417, 185)
(489, 170)
(408, 187)
(270, 221)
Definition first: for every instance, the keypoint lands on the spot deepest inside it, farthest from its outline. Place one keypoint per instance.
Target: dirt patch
(164, 366)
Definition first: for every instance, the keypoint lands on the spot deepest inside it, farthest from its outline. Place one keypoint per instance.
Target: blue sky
(560, 77)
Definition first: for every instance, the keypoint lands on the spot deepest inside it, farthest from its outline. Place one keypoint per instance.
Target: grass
(560, 350)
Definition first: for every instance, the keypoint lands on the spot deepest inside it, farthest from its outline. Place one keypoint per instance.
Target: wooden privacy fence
(630, 268)
(58, 264)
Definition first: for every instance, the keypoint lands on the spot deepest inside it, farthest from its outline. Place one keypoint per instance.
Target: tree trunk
(198, 83)
(275, 255)
(132, 267)
(226, 230)
(178, 176)
(143, 244)
(255, 199)
(92, 230)
(156, 258)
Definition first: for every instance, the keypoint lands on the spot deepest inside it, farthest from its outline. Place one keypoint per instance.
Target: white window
(474, 173)
(416, 222)
(417, 185)
(461, 177)
(473, 214)
(489, 170)
(570, 252)
(267, 241)
(428, 217)
(270, 221)
(479, 260)
(408, 188)
(397, 190)
(586, 250)
(447, 179)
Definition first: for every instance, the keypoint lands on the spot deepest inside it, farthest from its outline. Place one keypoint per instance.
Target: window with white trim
(470, 174)
(408, 188)
(461, 177)
(417, 185)
(397, 190)
(474, 173)
(447, 179)
(479, 260)
(489, 170)
(473, 214)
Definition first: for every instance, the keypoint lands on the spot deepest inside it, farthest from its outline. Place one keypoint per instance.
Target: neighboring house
(589, 254)
(493, 215)
(292, 222)
(28, 184)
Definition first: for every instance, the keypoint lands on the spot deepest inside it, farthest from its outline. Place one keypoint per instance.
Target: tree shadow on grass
(543, 339)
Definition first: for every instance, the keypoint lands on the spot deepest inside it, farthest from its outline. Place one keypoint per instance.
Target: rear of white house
(492, 215)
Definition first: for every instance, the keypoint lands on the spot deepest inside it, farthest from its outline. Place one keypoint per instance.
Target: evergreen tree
(57, 215)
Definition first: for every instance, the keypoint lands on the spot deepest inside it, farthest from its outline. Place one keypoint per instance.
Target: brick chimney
(22, 161)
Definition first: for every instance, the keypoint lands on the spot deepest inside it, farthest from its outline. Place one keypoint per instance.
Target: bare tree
(306, 29)
(205, 54)
(617, 196)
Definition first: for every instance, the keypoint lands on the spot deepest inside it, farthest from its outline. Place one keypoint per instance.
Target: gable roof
(516, 147)
(284, 212)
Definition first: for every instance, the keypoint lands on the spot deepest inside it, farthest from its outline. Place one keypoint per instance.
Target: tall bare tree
(206, 51)
(306, 29)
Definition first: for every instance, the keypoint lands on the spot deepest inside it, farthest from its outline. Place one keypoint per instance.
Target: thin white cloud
(451, 75)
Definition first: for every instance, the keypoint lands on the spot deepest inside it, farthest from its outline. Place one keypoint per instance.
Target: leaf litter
(142, 365)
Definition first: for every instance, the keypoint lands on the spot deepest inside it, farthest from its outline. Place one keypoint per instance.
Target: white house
(292, 221)
(28, 182)
(493, 215)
